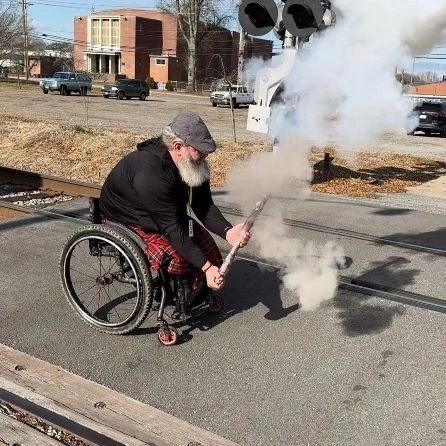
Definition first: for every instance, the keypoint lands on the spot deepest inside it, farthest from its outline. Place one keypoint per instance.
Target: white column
(101, 63)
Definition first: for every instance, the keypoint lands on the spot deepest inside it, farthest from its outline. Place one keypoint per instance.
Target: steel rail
(345, 233)
(370, 289)
(10, 210)
(54, 419)
(47, 182)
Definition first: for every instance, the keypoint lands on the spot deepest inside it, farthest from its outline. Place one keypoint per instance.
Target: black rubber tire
(106, 96)
(214, 104)
(128, 98)
(142, 96)
(45, 91)
(63, 90)
(427, 132)
(68, 93)
(120, 95)
(140, 263)
(234, 103)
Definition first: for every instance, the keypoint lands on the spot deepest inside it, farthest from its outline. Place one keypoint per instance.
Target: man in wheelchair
(154, 190)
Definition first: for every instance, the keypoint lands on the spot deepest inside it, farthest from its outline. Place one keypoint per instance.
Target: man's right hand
(214, 279)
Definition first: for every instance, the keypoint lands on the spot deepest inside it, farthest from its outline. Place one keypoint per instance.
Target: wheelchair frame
(103, 239)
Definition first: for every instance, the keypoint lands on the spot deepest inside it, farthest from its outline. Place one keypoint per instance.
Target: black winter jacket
(145, 190)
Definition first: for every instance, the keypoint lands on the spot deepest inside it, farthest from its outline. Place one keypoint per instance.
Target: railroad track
(49, 183)
(29, 183)
(51, 423)
(78, 188)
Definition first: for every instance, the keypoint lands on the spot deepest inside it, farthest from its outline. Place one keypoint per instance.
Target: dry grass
(372, 173)
(88, 154)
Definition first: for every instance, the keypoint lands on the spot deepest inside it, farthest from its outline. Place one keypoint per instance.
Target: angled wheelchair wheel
(106, 279)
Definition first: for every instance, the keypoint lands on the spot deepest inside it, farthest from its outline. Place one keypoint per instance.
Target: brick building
(435, 89)
(48, 62)
(139, 43)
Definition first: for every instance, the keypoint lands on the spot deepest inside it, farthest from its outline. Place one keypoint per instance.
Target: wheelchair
(107, 278)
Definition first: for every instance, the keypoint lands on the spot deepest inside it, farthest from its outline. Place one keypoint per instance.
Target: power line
(109, 7)
(229, 40)
(226, 50)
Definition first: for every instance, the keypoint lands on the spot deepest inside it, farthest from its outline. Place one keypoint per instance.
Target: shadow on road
(247, 286)
(358, 316)
(432, 239)
(391, 212)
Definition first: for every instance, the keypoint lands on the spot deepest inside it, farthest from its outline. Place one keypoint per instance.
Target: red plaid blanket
(159, 250)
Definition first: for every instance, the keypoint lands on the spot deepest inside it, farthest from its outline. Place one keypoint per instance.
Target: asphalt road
(359, 371)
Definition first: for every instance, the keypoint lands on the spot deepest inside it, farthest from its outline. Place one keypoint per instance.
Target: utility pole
(25, 37)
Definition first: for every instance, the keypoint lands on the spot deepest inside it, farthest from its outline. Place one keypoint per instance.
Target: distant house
(48, 62)
(41, 63)
(435, 89)
(139, 43)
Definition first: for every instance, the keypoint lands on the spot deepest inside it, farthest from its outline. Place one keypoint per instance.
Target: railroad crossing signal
(258, 17)
(301, 18)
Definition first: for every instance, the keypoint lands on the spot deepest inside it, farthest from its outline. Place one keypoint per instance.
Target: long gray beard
(194, 174)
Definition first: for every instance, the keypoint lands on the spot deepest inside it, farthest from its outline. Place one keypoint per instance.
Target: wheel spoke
(114, 306)
(99, 292)
(88, 289)
(80, 272)
(91, 276)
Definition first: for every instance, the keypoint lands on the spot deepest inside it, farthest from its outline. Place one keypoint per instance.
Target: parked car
(126, 88)
(67, 82)
(431, 117)
(240, 96)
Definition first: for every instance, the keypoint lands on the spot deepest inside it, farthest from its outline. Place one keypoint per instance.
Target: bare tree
(225, 79)
(10, 31)
(241, 56)
(195, 19)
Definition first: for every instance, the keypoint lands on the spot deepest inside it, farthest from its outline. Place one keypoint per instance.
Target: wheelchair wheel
(106, 279)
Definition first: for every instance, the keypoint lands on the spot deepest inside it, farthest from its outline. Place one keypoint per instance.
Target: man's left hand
(237, 236)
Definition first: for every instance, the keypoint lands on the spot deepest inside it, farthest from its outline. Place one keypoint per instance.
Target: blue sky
(55, 17)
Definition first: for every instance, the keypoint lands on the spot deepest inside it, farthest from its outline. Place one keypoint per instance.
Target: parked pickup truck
(67, 83)
(240, 96)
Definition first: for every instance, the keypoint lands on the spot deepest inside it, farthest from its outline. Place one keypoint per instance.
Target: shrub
(152, 84)
(169, 86)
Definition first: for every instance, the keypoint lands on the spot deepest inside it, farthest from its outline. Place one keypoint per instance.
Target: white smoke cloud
(346, 84)
(347, 93)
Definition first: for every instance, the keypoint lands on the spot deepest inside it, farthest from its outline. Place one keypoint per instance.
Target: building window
(95, 32)
(115, 32)
(160, 61)
(105, 32)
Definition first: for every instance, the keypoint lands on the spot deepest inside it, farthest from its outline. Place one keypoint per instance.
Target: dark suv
(431, 117)
(126, 88)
